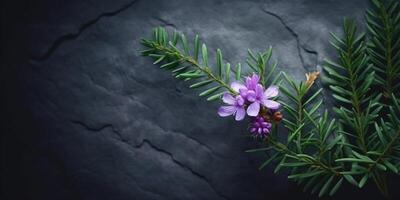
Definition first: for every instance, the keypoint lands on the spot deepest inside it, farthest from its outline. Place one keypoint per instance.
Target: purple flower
(254, 94)
(235, 107)
(260, 127)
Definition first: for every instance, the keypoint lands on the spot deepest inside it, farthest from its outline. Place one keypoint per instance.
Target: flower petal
(271, 91)
(271, 104)
(259, 90)
(253, 109)
(243, 92)
(251, 96)
(236, 86)
(239, 101)
(228, 99)
(224, 111)
(240, 113)
(251, 82)
(248, 82)
(255, 78)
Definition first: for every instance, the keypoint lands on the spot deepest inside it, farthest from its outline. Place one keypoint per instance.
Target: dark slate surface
(89, 118)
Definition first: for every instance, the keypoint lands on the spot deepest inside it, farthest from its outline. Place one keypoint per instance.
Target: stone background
(86, 117)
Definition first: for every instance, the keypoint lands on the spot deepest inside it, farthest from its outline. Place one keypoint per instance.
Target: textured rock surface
(106, 124)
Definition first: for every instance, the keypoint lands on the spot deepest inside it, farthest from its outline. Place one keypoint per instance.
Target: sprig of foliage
(383, 23)
(312, 145)
(350, 80)
(187, 65)
(175, 54)
(369, 145)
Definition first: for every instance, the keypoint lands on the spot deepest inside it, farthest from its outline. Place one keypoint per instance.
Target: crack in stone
(299, 48)
(208, 148)
(200, 143)
(60, 165)
(310, 51)
(71, 36)
(197, 174)
(93, 82)
(165, 22)
(98, 129)
(110, 126)
(296, 37)
(158, 149)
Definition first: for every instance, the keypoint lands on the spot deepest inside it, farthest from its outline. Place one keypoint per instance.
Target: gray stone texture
(110, 125)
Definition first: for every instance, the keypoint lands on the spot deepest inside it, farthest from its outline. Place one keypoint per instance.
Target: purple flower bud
(259, 127)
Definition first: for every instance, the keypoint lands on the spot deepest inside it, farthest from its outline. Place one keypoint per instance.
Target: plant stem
(282, 148)
(388, 54)
(194, 63)
(356, 103)
(300, 119)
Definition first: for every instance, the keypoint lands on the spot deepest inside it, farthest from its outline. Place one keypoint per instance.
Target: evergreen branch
(360, 66)
(164, 49)
(350, 80)
(308, 129)
(384, 45)
(187, 66)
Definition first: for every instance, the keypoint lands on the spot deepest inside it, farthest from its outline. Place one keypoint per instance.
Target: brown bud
(277, 116)
(311, 78)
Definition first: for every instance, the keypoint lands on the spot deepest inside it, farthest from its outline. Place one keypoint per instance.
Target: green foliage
(365, 84)
(383, 23)
(175, 54)
(350, 80)
(319, 152)
(312, 146)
